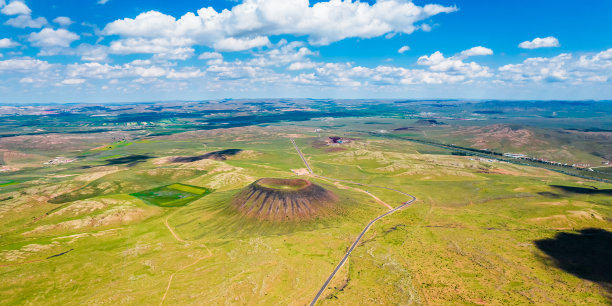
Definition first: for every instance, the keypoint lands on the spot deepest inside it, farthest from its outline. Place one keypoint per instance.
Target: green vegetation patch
(7, 183)
(173, 195)
(114, 145)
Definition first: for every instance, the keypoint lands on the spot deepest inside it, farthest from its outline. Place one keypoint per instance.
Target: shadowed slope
(284, 200)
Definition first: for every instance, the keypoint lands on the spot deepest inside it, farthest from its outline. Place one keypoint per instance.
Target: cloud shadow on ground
(586, 254)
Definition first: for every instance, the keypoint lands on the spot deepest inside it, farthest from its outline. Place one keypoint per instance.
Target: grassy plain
(470, 238)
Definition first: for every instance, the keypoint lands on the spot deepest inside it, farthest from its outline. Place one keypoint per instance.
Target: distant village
(551, 162)
(336, 140)
(7, 169)
(59, 160)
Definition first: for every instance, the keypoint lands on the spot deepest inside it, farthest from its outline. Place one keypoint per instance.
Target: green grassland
(470, 238)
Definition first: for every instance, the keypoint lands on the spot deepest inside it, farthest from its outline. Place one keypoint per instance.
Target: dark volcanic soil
(288, 200)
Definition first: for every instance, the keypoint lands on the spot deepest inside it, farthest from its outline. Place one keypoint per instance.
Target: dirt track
(179, 239)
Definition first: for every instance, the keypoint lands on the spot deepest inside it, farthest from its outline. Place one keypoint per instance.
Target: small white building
(515, 155)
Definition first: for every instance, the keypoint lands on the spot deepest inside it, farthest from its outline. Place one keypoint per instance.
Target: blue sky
(111, 50)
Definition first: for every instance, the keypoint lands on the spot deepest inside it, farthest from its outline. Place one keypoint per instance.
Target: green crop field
(7, 183)
(172, 195)
(190, 189)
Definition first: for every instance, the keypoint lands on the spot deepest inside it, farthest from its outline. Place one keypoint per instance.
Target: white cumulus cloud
(475, 51)
(403, 49)
(210, 55)
(16, 8)
(347, 75)
(249, 24)
(48, 37)
(23, 65)
(552, 69)
(63, 21)
(538, 42)
(92, 53)
(455, 64)
(23, 19)
(7, 43)
(144, 70)
(281, 54)
(302, 65)
(73, 81)
(561, 68)
(241, 44)
(170, 48)
(184, 74)
(601, 61)
(26, 21)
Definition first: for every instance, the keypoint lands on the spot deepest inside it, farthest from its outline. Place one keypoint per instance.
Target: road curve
(348, 252)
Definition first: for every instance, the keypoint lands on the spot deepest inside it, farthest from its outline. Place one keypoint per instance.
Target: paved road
(348, 253)
(301, 155)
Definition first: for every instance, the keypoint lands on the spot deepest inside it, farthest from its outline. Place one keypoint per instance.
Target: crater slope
(275, 199)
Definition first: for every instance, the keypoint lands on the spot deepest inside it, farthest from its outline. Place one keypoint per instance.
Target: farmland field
(172, 195)
(7, 183)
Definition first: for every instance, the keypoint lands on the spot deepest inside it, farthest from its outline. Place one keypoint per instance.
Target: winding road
(348, 253)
